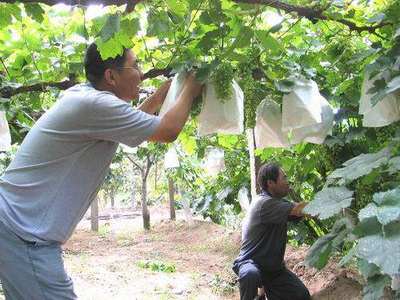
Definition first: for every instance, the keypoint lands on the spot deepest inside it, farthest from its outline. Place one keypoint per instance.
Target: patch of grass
(104, 231)
(222, 285)
(156, 266)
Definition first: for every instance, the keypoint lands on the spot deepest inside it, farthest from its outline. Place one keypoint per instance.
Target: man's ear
(109, 77)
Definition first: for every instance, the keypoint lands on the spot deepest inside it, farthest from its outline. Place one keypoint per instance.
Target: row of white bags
(215, 117)
(306, 116)
(5, 137)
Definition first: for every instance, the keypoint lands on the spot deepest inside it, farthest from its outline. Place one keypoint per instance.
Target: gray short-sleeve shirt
(63, 160)
(264, 233)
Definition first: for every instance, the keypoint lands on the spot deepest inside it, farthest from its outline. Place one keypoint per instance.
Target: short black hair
(95, 65)
(267, 172)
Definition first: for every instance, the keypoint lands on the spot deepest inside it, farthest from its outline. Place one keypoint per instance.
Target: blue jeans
(32, 271)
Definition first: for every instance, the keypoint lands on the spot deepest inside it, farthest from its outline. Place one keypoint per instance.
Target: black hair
(95, 66)
(267, 172)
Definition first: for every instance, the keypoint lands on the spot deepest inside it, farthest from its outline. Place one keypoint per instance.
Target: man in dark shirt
(260, 262)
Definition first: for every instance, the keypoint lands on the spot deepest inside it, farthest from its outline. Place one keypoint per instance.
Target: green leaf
(384, 252)
(318, 254)
(285, 85)
(377, 18)
(130, 26)
(361, 165)
(268, 42)
(159, 24)
(368, 226)
(5, 16)
(111, 27)
(375, 286)
(397, 33)
(111, 48)
(177, 7)
(367, 269)
(388, 209)
(394, 165)
(35, 11)
(329, 202)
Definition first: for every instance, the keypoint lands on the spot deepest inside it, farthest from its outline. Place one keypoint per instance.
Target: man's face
(128, 78)
(280, 188)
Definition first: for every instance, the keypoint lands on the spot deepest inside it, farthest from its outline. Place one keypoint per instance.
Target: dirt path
(123, 262)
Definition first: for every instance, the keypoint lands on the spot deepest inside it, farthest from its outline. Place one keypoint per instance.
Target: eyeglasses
(134, 68)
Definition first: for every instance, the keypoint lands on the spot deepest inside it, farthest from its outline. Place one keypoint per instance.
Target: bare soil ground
(111, 263)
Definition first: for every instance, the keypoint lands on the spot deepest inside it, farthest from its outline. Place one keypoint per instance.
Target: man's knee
(250, 275)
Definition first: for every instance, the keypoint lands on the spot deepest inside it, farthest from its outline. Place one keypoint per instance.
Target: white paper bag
(315, 133)
(302, 106)
(5, 137)
(171, 159)
(173, 93)
(384, 112)
(214, 161)
(268, 130)
(221, 117)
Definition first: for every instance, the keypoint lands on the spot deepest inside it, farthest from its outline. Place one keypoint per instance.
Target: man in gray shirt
(261, 259)
(63, 160)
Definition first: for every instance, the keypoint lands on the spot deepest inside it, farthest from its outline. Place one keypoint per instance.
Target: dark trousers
(280, 285)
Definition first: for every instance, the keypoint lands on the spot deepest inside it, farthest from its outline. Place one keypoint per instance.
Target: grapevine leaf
(391, 197)
(397, 33)
(386, 207)
(384, 252)
(361, 165)
(345, 259)
(130, 26)
(35, 11)
(285, 85)
(111, 27)
(382, 92)
(320, 251)
(5, 16)
(329, 202)
(375, 287)
(367, 269)
(177, 7)
(268, 42)
(394, 165)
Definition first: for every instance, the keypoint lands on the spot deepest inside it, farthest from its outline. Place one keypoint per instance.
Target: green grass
(156, 266)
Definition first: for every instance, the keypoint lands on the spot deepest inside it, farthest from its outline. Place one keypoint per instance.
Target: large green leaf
(394, 164)
(386, 207)
(320, 251)
(268, 42)
(329, 202)
(35, 11)
(375, 286)
(381, 251)
(361, 165)
(111, 27)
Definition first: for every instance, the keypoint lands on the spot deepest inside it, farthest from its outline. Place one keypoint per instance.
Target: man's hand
(297, 210)
(193, 86)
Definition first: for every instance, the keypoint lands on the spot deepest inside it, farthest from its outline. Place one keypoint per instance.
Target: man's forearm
(150, 105)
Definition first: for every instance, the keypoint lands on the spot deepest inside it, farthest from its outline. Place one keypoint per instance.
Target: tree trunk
(94, 215)
(253, 167)
(112, 198)
(155, 176)
(133, 197)
(171, 198)
(145, 211)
